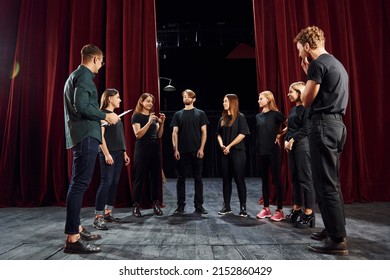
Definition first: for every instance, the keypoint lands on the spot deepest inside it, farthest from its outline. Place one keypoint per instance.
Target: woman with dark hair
(231, 131)
(112, 154)
(297, 145)
(147, 128)
(268, 132)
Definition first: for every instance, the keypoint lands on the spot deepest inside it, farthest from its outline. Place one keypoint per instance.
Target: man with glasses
(83, 136)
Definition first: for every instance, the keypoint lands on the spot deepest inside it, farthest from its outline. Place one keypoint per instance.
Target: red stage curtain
(357, 33)
(42, 40)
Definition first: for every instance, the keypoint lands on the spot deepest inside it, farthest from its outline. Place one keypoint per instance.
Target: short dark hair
(90, 51)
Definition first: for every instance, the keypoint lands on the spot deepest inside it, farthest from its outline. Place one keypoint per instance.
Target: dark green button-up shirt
(81, 107)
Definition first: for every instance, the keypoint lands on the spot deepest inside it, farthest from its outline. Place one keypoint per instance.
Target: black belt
(326, 116)
(148, 138)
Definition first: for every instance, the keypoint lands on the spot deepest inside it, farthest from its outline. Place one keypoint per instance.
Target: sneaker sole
(69, 251)
(268, 216)
(220, 213)
(99, 228)
(276, 220)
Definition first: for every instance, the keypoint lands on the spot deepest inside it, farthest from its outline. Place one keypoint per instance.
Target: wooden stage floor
(37, 233)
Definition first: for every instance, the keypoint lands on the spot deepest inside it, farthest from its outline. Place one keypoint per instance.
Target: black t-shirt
(297, 123)
(332, 96)
(229, 133)
(114, 136)
(268, 125)
(189, 123)
(142, 119)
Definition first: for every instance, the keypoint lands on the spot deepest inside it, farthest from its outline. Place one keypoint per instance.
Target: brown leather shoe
(320, 235)
(87, 236)
(331, 247)
(80, 247)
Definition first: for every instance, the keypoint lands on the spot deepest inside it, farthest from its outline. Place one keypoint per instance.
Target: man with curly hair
(326, 94)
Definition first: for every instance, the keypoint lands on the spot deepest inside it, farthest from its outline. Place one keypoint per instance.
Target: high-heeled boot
(156, 208)
(293, 216)
(243, 210)
(136, 211)
(306, 221)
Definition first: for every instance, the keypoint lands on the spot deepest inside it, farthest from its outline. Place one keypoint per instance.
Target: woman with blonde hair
(269, 129)
(297, 145)
(231, 131)
(147, 128)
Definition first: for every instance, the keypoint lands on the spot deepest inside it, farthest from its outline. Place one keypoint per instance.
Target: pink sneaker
(277, 216)
(264, 213)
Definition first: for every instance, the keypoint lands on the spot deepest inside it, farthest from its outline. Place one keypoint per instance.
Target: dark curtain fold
(357, 33)
(40, 45)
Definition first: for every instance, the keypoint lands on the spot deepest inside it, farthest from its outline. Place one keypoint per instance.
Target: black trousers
(233, 166)
(146, 164)
(274, 162)
(186, 160)
(301, 176)
(327, 137)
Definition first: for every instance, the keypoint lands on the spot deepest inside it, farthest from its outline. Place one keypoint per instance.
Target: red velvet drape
(358, 33)
(40, 45)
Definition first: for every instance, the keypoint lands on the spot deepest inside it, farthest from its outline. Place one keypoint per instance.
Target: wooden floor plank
(38, 233)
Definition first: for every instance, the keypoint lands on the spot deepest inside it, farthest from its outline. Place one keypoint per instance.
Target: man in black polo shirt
(326, 94)
(188, 139)
(83, 136)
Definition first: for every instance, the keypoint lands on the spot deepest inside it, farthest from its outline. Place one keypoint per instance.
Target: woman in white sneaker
(269, 129)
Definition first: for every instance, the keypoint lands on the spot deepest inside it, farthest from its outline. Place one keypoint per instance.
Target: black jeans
(196, 163)
(233, 166)
(84, 158)
(274, 162)
(109, 179)
(301, 176)
(327, 137)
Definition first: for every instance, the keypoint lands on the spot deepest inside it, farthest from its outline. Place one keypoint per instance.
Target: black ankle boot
(243, 210)
(136, 211)
(156, 208)
(293, 216)
(306, 221)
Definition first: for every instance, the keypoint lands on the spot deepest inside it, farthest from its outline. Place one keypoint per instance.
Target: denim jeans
(196, 163)
(327, 136)
(84, 157)
(109, 179)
